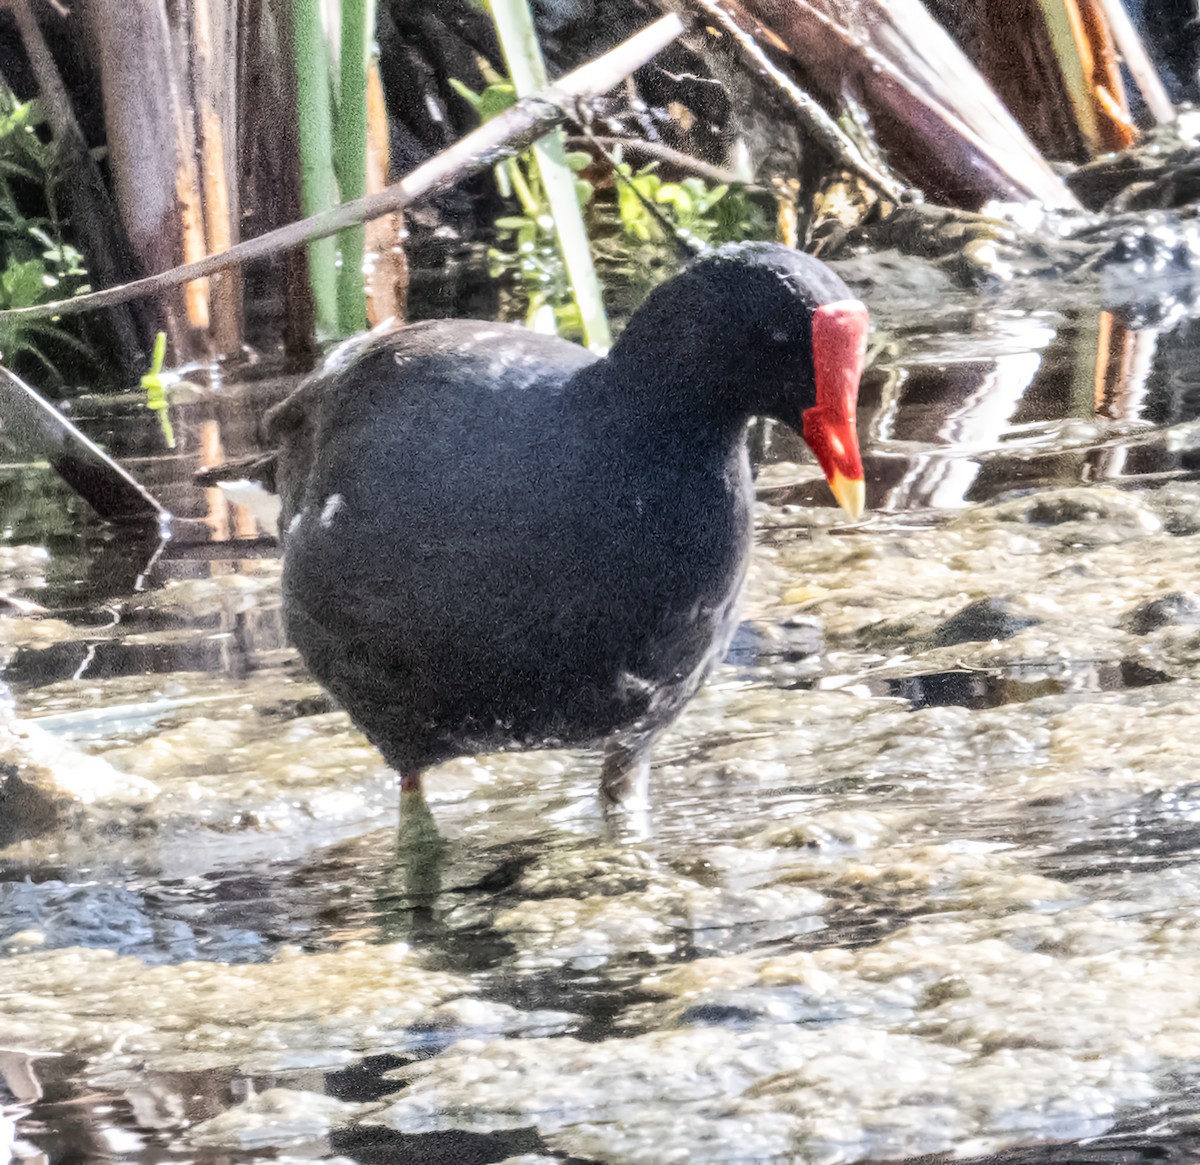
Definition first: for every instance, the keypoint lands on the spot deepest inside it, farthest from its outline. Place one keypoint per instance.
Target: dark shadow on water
(363, 1081)
(1159, 831)
(379, 1146)
(73, 1123)
(107, 659)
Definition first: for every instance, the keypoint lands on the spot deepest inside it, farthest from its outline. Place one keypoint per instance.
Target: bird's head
(757, 329)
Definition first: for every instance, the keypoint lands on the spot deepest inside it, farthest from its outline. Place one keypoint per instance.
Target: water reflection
(1024, 399)
(1004, 422)
(967, 406)
(1020, 399)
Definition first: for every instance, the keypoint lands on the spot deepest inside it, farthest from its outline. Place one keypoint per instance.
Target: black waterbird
(494, 539)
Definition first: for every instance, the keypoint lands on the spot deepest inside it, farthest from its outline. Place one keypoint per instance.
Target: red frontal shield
(839, 349)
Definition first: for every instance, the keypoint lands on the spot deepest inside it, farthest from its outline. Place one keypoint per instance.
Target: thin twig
(671, 157)
(818, 122)
(506, 134)
(687, 245)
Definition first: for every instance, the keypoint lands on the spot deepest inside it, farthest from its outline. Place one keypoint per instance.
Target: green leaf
(467, 94)
(23, 284)
(567, 319)
(648, 185)
(44, 239)
(677, 196)
(496, 98)
(710, 198)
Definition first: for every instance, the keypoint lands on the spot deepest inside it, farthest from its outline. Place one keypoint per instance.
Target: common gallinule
(495, 540)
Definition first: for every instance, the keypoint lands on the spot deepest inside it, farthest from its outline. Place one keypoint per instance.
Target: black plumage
(495, 540)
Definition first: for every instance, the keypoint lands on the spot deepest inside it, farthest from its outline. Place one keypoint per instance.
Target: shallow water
(920, 876)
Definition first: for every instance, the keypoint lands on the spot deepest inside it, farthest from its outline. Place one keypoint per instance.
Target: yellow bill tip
(850, 493)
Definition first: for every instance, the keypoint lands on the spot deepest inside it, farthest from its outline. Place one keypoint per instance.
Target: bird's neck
(663, 404)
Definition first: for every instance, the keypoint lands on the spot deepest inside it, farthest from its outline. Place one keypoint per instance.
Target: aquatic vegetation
(37, 263)
(526, 252)
(155, 384)
(514, 24)
(630, 241)
(711, 214)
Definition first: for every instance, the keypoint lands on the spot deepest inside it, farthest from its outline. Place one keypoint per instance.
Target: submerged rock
(983, 621)
(1174, 609)
(43, 782)
(1116, 512)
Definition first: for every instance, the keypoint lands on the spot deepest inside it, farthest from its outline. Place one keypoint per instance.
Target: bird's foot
(625, 792)
(420, 856)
